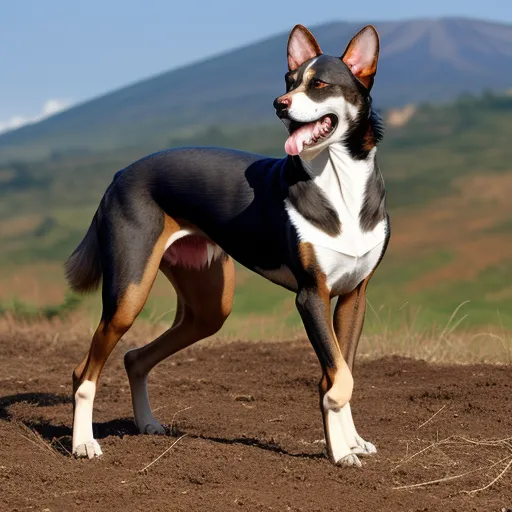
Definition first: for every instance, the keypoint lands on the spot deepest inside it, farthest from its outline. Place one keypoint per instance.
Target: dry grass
(35, 439)
(462, 452)
(145, 468)
(439, 344)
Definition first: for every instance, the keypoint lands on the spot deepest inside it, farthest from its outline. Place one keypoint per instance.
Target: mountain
(425, 60)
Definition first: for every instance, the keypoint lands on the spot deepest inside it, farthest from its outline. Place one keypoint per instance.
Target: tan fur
(349, 319)
(337, 383)
(205, 298)
(131, 303)
(301, 88)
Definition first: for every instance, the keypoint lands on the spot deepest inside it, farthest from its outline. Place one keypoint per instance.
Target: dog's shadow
(59, 437)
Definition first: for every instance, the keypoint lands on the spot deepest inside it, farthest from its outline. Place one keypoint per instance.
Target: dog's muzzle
(281, 105)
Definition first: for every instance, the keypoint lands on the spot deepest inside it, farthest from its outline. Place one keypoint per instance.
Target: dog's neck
(343, 178)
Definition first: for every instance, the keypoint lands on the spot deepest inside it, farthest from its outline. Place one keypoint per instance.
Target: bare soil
(252, 433)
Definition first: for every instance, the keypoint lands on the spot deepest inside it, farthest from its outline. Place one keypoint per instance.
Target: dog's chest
(349, 257)
(344, 273)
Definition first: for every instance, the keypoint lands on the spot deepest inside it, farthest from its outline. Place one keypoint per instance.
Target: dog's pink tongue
(295, 142)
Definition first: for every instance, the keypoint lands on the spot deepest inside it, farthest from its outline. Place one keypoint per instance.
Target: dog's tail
(83, 268)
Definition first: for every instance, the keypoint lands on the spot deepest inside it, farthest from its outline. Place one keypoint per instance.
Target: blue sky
(56, 52)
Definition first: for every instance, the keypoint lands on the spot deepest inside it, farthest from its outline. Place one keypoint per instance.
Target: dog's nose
(281, 103)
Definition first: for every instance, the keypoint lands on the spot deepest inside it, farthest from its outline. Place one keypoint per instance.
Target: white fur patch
(308, 67)
(197, 258)
(82, 421)
(344, 438)
(337, 441)
(347, 424)
(303, 109)
(177, 235)
(356, 443)
(344, 273)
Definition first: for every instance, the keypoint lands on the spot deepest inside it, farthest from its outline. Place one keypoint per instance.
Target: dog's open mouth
(309, 134)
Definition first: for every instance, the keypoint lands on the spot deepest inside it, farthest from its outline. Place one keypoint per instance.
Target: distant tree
(45, 226)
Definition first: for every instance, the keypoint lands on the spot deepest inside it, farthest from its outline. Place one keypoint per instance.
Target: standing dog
(313, 222)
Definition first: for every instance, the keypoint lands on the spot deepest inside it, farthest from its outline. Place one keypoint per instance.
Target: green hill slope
(448, 173)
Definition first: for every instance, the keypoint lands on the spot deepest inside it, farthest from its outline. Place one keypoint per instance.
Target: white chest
(344, 273)
(344, 181)
(348, 258)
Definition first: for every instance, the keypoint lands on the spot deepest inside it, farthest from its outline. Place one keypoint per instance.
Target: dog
(313, 222)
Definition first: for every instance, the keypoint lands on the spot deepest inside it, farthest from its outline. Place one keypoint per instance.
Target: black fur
(310, 201)
(239, 200)
(236, 198)
(365, 132)
(374, 206)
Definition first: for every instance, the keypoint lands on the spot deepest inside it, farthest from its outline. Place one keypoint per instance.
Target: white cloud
(50, 108)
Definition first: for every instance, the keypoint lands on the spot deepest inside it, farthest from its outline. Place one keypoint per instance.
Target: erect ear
(302, 46)
(362, 54)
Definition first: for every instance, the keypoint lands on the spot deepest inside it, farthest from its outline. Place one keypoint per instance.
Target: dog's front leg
(348, 325)
(336, 383)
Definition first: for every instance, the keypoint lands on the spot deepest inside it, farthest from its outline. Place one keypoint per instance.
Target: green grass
(23, 311)
(503, 228)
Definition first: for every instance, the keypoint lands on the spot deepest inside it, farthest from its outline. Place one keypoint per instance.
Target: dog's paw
(363, 447)
(349, 460)
(154, 428)
(88, 450)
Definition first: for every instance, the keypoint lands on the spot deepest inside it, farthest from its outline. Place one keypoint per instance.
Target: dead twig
(490, 484)
(177, 412)
(433, 445)
(57, 440)
(161, 455)
(432, 417)
(486, 442)
(37, 439)
(448, 478)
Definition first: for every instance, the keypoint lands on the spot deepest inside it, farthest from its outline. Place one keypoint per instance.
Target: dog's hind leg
(127, 281)
(205, 297)
(348, 324)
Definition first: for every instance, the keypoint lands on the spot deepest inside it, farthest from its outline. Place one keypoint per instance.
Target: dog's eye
(318, 84)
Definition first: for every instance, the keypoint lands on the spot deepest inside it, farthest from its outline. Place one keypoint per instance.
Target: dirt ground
(252, 433)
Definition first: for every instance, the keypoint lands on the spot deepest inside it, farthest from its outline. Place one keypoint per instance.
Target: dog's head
(325, 95)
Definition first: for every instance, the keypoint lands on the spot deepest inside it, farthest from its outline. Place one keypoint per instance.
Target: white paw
(363, 447)
(153, 428)
(349, 460)
(88, 450)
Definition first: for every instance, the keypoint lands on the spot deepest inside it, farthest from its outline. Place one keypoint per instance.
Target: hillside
(448, 176)
(421, 60)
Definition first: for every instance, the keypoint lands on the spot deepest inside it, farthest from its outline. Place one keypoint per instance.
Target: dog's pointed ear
(302, 46)
(362, 54)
